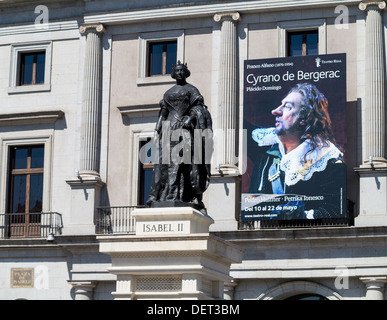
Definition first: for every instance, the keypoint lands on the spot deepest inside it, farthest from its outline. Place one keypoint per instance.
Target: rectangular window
(158, 52)
(162, 56)
(32, 68)
(303, 43)
(25, 192)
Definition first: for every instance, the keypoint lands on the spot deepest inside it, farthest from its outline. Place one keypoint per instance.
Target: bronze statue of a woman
(184, 140)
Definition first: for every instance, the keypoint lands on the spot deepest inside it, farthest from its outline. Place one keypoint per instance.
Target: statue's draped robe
(183, 171)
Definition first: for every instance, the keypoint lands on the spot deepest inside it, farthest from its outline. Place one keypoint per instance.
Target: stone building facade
(88, 110)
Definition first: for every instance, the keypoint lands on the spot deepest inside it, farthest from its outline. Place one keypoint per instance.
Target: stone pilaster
(92, 101)
(86, 186)
(228, 90)
(374, 122)
(373, 171)
(376, 287)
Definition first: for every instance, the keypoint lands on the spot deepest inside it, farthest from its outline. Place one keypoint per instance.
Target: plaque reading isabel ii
(22, 278)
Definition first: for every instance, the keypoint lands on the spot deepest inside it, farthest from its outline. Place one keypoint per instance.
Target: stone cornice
(139, 110)
(85, 181)
(14, 3)
(308, 234)
(29, 28)
(177, 12)
(378, 281)
(208, 10)
(368, 170)
(30, 117)
(365, 4)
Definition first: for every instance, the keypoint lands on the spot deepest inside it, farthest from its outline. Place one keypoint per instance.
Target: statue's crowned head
(184, 66)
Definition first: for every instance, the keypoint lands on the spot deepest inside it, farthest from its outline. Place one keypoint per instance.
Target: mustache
(296, 126)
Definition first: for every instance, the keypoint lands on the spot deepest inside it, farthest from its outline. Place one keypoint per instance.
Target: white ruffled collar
(294, 164)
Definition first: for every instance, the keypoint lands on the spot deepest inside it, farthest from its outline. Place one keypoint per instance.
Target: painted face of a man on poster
(299, 154)
(288, 125)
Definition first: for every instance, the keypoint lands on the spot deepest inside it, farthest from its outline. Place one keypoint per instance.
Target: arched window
(307, 297)
(300, 290)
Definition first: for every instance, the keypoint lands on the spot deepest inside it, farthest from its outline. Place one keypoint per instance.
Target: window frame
(143, 63)
(15, 69)
(22, 68)
(304, 49)
(6, 144)
(27, 172)
(164, 58)
(284, 28)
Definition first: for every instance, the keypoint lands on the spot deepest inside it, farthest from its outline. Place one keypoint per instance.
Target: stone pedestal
(372, 198)
(172, 256)
(227, 188)
(85, 197)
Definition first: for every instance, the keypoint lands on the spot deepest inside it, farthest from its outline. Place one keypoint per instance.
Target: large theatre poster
(295, 119)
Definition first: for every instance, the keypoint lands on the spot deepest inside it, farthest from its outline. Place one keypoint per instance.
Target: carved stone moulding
(98, 27)
(235, 16)
(365, 4)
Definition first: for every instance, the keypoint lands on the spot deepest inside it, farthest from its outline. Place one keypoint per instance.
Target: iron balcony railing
(119, 219)
(30, 225)
(116, 219)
